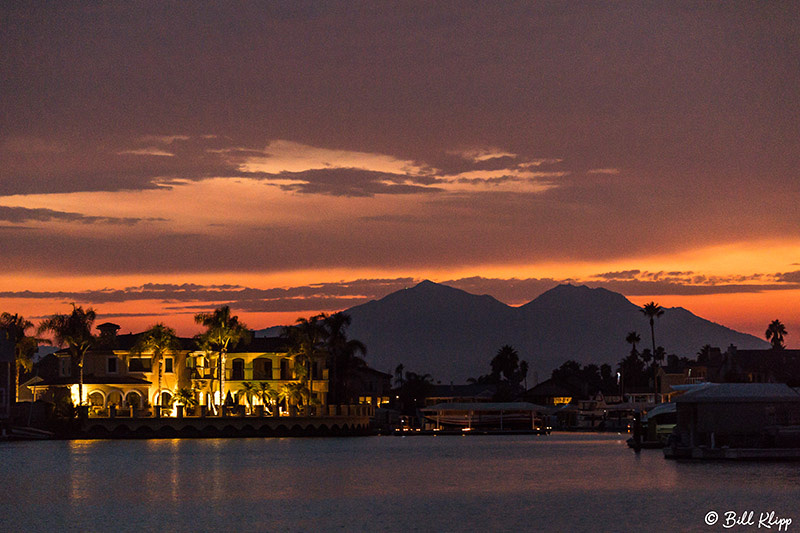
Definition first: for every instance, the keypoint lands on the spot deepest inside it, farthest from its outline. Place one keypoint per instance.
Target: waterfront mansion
(116, 379)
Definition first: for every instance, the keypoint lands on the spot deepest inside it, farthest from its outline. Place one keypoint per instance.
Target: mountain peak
(568, 295)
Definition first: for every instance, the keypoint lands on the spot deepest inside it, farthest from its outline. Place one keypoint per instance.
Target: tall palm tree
(775, 332)
(306, 344)
(652, 311)
(633, 338)
(223, 331)
(25, 346)
(75, 331)
(159, 340)
(343, 355)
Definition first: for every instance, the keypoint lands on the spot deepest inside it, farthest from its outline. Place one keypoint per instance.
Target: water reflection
(560, 482)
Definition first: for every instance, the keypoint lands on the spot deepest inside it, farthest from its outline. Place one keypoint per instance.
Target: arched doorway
(97, 400)
(114, 398)
(133, 399)
(166, 399)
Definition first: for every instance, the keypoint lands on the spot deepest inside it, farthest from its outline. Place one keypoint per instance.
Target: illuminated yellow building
(115, 379)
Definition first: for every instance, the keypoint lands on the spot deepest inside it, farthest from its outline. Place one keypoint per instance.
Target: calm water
(511, 483)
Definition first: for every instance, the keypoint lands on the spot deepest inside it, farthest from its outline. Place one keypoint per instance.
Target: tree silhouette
(75, 331)
(632, 339)
(775, 332)
(704, 354)
(412, 394)
(343, 356)
(25, 346)
(652, 311)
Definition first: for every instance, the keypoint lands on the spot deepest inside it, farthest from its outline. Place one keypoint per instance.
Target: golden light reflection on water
(575, 482)
(219, 470)
(80, 483)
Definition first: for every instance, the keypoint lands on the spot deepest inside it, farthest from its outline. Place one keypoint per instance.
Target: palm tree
(660, 354)
(185, 396)
(223, 331)
(75, 331)
(306, 340)
(398, 375)
(414, 390)
(159, 340)
(268, 395)
(248, 390)
(292, 393)
(24, 346)
(775, 332)
(633, 338)
(342, 355)
(704, 354)
(652, 311)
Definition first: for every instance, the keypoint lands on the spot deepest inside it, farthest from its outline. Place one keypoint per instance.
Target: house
(369, 387)
(552, 392)
(760, 366)
(118, 380)
(261, 360)
(679, 372)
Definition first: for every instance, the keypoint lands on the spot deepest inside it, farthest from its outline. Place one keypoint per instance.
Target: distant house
(680, 372)
(370, 387)
(760, 366)
(554, 393)
(574, 409)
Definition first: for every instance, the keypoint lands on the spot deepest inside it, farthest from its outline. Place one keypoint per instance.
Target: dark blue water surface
(561, 482)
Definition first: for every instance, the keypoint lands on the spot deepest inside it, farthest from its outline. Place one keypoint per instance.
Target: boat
(25, 433)
(657, 426)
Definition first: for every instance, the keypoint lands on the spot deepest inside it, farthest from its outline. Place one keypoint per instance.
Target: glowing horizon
(288, 171)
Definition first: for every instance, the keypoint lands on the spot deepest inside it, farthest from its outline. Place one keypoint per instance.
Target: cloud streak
(21, 214)
(335, 296)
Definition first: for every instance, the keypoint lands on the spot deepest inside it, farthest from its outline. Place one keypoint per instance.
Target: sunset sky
(160, 159)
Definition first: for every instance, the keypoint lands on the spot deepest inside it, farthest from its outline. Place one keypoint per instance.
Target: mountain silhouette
(453, 335)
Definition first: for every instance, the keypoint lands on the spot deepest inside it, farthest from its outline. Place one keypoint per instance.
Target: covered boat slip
(486, 416)
(737, 421)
